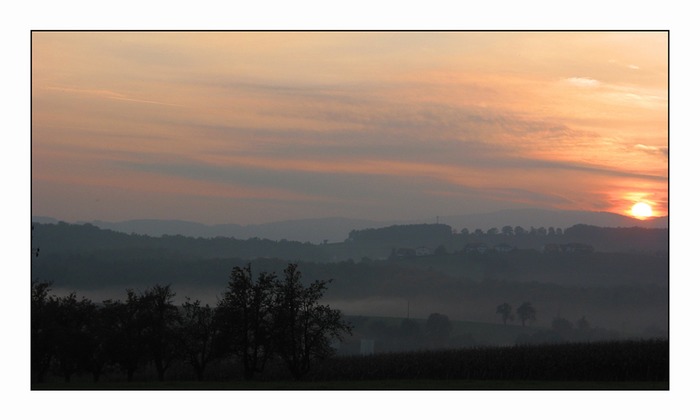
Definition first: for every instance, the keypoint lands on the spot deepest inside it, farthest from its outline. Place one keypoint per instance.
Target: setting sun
(641, 210)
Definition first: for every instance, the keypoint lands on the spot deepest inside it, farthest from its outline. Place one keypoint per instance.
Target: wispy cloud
(105, 94)
(372, 122)
(583, 82)
(663, 151)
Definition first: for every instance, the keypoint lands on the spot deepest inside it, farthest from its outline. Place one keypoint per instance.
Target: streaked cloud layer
(249, 127)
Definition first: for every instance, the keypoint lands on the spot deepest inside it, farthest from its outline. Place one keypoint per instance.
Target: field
(376, 385)
(630, 365)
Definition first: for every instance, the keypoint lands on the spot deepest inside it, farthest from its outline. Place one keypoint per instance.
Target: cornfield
(640, 360)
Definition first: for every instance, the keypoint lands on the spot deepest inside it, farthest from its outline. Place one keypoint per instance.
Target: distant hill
(46, 220)
(337, 229)
(527, 218)
(306, 230)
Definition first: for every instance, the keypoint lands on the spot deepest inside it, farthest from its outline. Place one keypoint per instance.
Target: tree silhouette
(255, 321)
(526, 312)
(73, 334)
(304, 327)
(246, 313)
(127, 338)
(506, 312)
(160, 319)
(99, 341)
(43, 329)
(198, 333)
(35, 251)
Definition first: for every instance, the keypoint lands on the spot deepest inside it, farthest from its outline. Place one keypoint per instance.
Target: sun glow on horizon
(641, 210)
(239, 126)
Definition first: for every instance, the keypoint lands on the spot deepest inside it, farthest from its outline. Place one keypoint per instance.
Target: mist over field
(617, 279)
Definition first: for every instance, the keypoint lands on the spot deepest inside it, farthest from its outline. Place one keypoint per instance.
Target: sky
(255, 127)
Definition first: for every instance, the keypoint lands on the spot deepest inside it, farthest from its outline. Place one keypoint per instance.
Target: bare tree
(198, 333)
(526, 312)
(246, 314)
(161, 319)
(126, 340)
(73, 334)
(506, 312)
(304, 327)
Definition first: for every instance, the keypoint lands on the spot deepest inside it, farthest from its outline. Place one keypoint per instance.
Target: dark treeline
(427, 234)
(380, 243)
(258, 320)
(88, 257)
(71, 239)
(443, 237)
(89, 271)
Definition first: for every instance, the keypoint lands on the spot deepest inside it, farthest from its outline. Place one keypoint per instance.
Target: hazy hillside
(307, 230)
(554, 218)
(337, 229)
(626, 289)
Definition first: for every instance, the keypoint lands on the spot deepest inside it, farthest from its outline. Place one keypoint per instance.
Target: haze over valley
(615, 277)
(335, 229)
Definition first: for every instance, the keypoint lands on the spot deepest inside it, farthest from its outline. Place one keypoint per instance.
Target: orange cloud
(560, 119)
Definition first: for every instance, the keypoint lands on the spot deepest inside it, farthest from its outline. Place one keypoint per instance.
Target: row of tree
(509, 230)
(257, 320)
(562, 328)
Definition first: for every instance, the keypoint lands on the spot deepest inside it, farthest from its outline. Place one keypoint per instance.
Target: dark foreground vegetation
(639, 364)
(619, 361)
(257, 321)
(266, 333)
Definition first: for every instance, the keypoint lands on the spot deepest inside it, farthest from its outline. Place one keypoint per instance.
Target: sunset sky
(253, 127)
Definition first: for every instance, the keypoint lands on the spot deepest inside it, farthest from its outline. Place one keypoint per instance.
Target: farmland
(632, 364)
